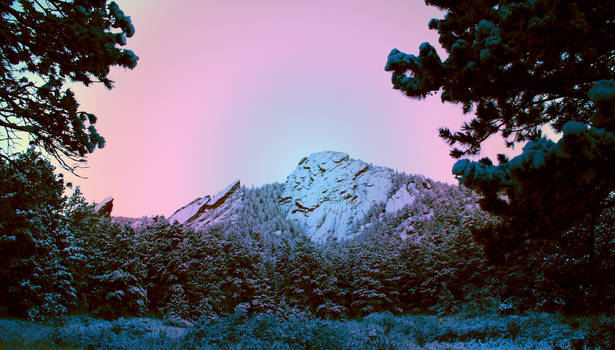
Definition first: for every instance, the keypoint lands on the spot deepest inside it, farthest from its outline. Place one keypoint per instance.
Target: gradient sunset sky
(241, 89)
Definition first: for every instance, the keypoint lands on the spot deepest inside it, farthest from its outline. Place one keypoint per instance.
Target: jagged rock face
(329, 193)
(105, 207)
(207, 211)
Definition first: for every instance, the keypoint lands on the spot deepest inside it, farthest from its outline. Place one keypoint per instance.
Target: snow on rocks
(400, 199)
(222, 195)
(186, 212)
(206, 211)
(105, 207)
(328, 193)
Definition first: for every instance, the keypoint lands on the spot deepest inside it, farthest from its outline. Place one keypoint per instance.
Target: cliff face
(328, 195)
(204, 212)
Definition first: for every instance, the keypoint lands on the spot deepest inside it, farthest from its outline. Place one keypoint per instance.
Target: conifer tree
(35, 281)
(45, 44)
(520, 66)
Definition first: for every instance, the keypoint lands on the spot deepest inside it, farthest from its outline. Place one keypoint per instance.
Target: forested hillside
(62, 258)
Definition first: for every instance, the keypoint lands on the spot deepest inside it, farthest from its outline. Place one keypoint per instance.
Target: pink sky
(244, 89)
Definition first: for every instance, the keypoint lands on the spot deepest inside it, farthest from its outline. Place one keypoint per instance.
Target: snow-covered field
(297, 331)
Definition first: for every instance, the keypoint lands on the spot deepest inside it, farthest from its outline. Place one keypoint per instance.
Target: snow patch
(224, 193)
(329, 191)
(185, 213)
(204, 212)
(103, 203)
(398, 200)
(329, 196)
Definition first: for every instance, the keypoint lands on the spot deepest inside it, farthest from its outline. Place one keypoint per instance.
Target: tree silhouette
(45, 44)
(520, 66)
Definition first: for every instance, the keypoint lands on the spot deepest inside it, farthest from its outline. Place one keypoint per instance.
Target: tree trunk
(592, 273)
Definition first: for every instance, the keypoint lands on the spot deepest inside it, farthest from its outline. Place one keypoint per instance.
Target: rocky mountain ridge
(329, 196)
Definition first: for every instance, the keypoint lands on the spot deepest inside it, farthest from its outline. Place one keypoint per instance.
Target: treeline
(57, 257)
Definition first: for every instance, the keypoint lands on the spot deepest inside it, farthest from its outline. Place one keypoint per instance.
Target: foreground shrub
(300, 331)
(267, 331)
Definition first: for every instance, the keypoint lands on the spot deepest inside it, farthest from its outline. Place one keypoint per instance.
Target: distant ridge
(329, 196)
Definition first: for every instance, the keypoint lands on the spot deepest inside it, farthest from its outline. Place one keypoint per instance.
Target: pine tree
(166, 259)
(44, 44)
(115, 272)
(299, 266)
(34, 278)
(517, 64)
(521, 66)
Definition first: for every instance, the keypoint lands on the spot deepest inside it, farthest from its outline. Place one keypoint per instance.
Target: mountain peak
(325, 157)
(329, 193)
(327, 196)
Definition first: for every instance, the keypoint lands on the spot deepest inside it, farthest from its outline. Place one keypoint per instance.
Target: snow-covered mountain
(207, 211)
(329, 196)
(330, 193)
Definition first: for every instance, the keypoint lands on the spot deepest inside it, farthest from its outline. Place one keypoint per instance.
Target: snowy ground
(376, 331)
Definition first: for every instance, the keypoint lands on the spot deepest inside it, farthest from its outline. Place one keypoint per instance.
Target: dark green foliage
(517, 64)
(601, 334)
(224, 272)
(191, 274)
(166, 262)
(163, 268)
(45, 241)
(537, 193)
(78, 261)
(109, 272)
(57, 254)
(299, 264)
(563, 274)
(443, 268)
(372, 270)
(555, 206)
(34, 242)
(521, 66)
(116, 279)
(44, 44)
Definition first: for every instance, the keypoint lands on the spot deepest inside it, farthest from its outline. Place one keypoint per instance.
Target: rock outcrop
(206, 211)
(328, 195)
(105, 207)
